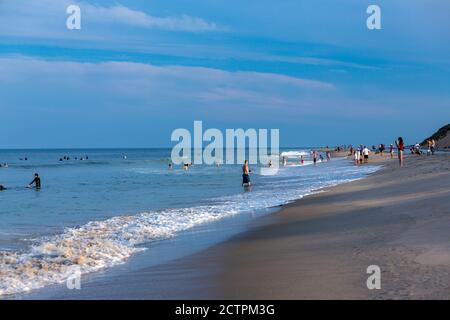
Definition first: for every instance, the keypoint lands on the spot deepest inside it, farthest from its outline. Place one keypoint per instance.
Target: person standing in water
(400, 147)
(246, 174)
(36, 181)
(366, 152)
(391, 150)
(357, 156)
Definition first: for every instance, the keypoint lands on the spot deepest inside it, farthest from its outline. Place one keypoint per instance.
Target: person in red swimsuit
(400, 147)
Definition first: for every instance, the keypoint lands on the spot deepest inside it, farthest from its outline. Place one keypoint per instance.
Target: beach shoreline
(319, 247)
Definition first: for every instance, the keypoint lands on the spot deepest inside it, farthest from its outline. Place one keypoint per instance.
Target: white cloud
(123, 15)
(121, 84)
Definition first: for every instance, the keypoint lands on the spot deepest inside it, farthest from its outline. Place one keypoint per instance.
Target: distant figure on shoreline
(417, 149)
(328, 155)
(382, 148)
(36, 181)
(186, 166)
(246, 174)
(428, 147)
(314, 154)
(366, 152)
(302, 160)
(357, 156)
(400, 147)
(391, 150)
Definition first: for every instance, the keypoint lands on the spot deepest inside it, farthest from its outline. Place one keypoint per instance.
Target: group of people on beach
(361, 154)
(316, 155)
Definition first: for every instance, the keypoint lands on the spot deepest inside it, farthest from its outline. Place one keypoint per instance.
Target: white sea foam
(294, 154)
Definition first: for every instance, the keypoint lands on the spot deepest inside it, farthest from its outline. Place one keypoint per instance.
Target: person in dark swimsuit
(245, 174)
(36, 181)
(2, 187)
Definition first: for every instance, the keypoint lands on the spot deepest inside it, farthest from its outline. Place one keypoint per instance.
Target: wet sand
(319, 247)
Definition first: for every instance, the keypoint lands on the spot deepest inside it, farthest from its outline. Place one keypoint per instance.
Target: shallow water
(96, 213)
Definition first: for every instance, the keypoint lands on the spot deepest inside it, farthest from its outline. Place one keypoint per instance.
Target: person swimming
(170, 166)
(36, 181)
(2, 187)
(246, 174)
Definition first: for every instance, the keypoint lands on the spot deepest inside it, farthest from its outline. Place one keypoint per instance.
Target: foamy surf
(94, 246)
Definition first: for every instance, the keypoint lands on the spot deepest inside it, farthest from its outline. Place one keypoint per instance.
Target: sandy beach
(318, 247)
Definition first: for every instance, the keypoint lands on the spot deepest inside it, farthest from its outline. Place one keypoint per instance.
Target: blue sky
(139, 69)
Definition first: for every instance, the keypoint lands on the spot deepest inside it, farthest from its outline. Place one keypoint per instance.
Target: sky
(137, 70)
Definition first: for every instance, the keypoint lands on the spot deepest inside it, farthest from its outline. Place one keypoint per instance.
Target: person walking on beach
(400, 147)
(36, 181)
(433, 146)
(391, 150)
(357, 156)
(382, 148)
(366, 152)
(246, 174)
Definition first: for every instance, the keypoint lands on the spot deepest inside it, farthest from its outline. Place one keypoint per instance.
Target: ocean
(98, 212)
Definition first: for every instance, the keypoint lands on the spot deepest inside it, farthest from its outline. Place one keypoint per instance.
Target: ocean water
(98, 212)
